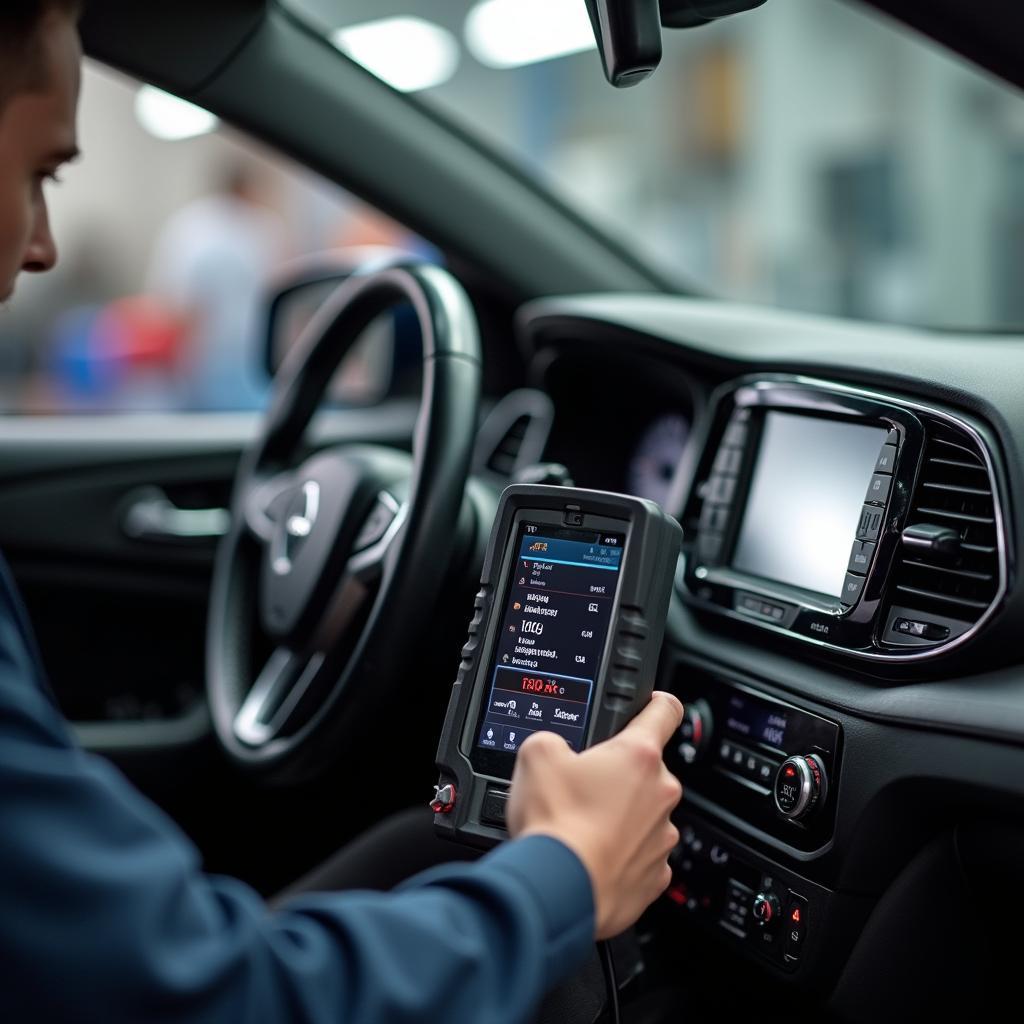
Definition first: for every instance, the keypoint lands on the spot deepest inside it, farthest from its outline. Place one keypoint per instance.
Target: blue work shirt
(106, 915)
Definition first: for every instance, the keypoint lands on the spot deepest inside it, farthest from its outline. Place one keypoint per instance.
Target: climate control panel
(741, 898)
(756, 756)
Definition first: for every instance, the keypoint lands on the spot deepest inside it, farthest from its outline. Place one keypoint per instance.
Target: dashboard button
(769, 611)
(728, 460)
(886, 459)
(714, 517)
(852, 587)
(860, 556)
(927, 630)
(765, 909)
(721, 489)
(870, 524)
(796, 911)
(709, 546)
(695, 731)
(878, 489)
(735, 435)
(893, 437)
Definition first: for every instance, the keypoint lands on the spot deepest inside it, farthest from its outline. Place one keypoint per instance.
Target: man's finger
(660, 718)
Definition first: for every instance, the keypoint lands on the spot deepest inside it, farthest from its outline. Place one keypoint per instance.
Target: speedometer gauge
(657, 456)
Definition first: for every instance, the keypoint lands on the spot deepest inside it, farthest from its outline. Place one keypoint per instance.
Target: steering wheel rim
(305, 538)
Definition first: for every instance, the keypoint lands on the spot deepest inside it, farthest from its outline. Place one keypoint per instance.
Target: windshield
(805, 154)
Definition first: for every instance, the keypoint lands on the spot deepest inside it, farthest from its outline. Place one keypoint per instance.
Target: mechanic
(105, 913)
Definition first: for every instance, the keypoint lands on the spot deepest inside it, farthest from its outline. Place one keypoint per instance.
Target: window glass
(172, 230)
(808, 153)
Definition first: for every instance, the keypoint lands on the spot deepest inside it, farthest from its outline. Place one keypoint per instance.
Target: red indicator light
(795, 916)
(790, 771)
(677, 894)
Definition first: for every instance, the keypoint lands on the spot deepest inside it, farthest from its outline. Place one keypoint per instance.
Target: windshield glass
(805, 154)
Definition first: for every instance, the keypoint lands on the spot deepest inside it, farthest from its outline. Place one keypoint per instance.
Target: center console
(865, 524)
(759, 773)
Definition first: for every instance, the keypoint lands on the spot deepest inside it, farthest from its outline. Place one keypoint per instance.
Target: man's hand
(610, 805)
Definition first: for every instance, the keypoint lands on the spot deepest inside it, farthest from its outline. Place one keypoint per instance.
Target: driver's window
(170, 230)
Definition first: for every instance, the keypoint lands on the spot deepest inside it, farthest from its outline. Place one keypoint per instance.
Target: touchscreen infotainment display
(806, 495)
(559, 596)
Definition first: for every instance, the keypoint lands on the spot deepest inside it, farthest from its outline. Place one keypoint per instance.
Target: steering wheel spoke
(278, 689)
(364, 573)
(265, 502)
(376, 538)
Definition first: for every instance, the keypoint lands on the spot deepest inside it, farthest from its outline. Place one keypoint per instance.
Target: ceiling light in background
(407, 53)
(511, 33)
(169, 118)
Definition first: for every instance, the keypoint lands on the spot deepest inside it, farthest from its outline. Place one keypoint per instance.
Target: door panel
(121, 618)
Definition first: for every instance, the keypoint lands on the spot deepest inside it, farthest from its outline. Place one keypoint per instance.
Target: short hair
(21, 61)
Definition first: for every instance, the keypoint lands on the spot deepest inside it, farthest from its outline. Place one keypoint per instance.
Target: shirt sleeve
(105, 913)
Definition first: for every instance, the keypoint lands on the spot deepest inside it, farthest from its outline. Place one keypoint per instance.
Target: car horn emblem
(296, 526)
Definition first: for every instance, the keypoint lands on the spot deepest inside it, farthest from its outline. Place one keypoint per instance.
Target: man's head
(39, 77)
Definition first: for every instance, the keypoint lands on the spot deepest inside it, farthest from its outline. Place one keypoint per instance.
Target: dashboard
(621, 422)
(843, 631)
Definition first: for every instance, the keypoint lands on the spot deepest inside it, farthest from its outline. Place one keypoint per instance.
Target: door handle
(150, 515)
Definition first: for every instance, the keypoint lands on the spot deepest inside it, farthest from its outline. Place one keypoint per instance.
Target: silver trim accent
(285, 670)
(152, 516)
(806, 782)
(277, 675)
(296, 527)
(892, 657)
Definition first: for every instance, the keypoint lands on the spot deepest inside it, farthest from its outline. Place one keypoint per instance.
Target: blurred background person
(210, 267)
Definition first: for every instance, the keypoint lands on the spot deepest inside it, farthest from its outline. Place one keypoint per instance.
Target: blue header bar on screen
(570, 552)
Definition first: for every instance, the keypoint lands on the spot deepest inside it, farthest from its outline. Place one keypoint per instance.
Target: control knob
(801, 786)
(766, 908)
(695, 731)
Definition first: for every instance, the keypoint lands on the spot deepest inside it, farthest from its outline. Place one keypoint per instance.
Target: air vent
(514, 434)
(505, 457)
(954, 492)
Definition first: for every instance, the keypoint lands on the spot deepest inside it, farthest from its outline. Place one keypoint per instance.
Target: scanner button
(492, 810)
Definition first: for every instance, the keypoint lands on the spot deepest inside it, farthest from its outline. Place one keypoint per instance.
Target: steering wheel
(332, 559)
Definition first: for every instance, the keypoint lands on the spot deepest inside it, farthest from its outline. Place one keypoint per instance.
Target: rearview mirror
(628, 32)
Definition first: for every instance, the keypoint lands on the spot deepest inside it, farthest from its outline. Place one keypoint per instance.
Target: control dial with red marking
(801, 786)
(766, 908)
(695, 731)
